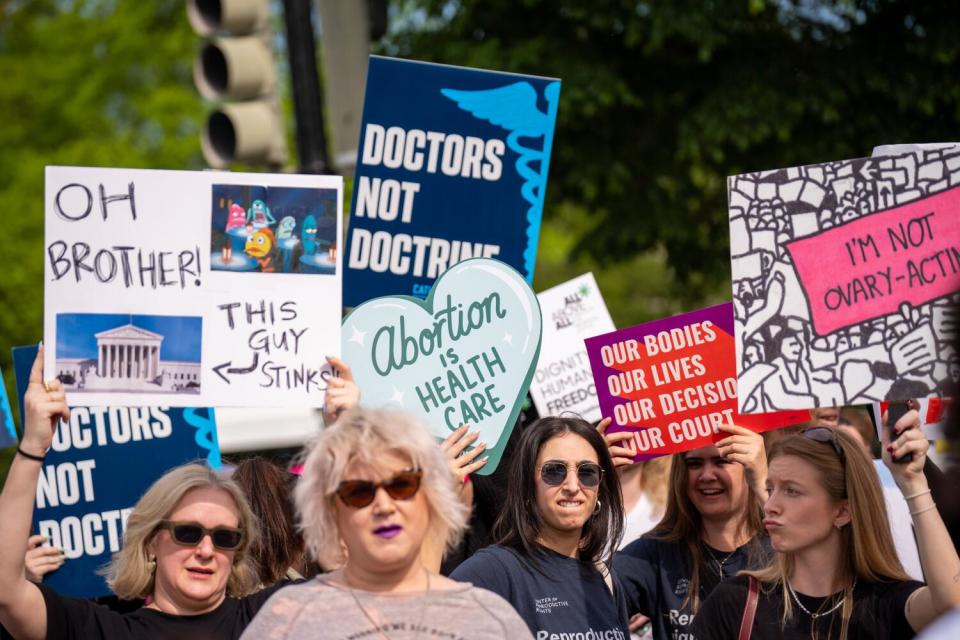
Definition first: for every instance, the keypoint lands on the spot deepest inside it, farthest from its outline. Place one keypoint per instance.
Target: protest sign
(563, 382)
(452, 165)
(191, 288)
(845, 279)
(673, 382)
(463, 356)
(8, 433)
(101, 462)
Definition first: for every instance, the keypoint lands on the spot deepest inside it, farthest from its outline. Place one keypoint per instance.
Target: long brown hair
(268, 489)
(682, 523)
(520, 522)
(867, 549)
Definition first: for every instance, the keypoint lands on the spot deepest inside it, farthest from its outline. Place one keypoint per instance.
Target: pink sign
(869, 267)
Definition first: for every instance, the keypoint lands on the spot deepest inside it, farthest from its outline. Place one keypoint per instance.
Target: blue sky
(76, 331)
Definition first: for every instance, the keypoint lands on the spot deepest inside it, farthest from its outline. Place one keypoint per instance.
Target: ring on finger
(47, 387)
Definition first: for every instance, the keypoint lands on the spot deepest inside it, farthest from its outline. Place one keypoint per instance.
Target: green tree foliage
(92, 83)
(662, 100)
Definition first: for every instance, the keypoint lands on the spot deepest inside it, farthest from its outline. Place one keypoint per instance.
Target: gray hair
(363, 435)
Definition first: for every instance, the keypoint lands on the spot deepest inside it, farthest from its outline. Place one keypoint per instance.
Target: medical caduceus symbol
(514, 108)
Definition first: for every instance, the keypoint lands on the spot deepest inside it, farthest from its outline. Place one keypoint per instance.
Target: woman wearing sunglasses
(375, 485)
(184, 547)
(711, 529)
(836, 573)
(562, 518)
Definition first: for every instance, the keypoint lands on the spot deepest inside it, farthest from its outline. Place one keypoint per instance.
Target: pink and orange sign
(867, 268)
(673, 382)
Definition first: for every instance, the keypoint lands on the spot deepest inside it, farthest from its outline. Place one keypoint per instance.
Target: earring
(152, 564)
(596, 509)
(838, 525)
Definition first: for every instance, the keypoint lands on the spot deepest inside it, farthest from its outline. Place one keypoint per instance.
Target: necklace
(380, 626)
(814, 616)
(719, 563)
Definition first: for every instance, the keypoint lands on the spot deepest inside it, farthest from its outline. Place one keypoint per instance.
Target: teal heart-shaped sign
(463, 356)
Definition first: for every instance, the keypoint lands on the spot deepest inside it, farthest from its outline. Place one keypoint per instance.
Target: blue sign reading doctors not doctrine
(101, 462)
(452, 165)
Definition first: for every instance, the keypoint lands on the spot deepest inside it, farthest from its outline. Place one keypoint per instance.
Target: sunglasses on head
(191, 534)
(554, 473)
(826, 436)
(360, 493)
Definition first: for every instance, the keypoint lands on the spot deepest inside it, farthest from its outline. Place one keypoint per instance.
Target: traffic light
(236, 68)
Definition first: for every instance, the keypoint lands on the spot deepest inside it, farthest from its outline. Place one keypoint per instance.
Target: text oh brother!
(690, 397)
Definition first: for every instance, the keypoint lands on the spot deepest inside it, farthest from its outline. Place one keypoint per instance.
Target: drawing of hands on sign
(914, 350)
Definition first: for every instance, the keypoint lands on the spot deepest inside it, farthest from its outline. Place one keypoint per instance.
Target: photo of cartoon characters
(247, 237)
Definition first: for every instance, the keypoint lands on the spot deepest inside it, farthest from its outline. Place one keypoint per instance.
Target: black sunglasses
(360, 493)
(554, 473)
(191, 534)
(826, 436)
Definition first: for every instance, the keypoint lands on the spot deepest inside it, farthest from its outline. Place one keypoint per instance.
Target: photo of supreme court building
(128, 357)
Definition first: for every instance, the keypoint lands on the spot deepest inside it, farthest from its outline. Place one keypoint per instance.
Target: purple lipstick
(389, 531)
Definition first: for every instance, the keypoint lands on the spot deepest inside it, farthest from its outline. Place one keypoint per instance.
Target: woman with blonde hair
(836, 572)
(711, 529)
(375, 486)
(184, 546)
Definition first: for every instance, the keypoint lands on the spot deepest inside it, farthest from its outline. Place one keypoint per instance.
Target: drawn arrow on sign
(219, 368)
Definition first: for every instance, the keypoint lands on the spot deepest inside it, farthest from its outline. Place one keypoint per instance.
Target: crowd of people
(384, 533)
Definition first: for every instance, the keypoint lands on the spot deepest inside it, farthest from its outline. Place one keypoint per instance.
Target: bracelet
(916, 495)
(919, 511)
(30, 456)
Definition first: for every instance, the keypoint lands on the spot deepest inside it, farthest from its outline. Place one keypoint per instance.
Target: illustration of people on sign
(783, 361)
(250, 239)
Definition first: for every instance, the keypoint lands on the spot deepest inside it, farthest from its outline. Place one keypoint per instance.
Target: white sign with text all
(563, 382)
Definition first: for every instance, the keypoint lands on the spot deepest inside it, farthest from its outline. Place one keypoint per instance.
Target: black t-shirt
(877, 613)
(489, 496)
(77, 619)
(557, 596)
(656, 579)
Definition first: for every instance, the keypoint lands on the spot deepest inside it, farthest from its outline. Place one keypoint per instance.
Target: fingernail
(485, 458)
(466, 478)
(890, 448)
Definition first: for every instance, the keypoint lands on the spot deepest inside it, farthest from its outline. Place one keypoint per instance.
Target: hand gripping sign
(674, 382)
(465, 355)
(101, 462)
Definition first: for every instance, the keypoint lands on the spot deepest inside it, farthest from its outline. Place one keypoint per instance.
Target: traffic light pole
(304, 77)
